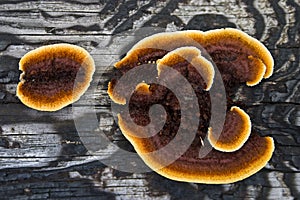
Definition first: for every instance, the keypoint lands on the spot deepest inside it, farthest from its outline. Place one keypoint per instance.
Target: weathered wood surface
(41, 154)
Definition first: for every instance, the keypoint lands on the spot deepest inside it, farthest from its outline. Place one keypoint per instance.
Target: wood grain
(41, 153)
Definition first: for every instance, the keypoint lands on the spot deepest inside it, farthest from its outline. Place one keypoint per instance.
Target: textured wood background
(41, 154)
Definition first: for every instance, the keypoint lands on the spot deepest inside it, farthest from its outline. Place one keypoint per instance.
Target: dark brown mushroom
(236, 131)
(236, 54)
(240, 43)
(215, 168)
(54, 76)
(219, 167)
(237, 154)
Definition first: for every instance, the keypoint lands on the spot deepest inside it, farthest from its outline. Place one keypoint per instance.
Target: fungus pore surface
(239, 151)
(54, 76)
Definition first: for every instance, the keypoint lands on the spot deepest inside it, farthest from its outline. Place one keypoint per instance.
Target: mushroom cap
(234, 51)
(158, 44)
(236, 131)
(215, 168)
(54, 76)
(258, 72)
(255, 48)
(247, 58)
(192, 57)
(232, 167)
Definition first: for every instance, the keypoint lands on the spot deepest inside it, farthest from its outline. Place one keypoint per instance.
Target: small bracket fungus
(220, 167)
(54, 76)
(238, 152)
(236, 131)
(239, 48)
(191, 59)
(237, 55)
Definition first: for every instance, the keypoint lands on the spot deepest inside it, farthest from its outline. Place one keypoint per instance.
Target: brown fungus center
(51, 76)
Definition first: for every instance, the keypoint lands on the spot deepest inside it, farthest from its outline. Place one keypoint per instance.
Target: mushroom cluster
(238, 151)
(54, 76)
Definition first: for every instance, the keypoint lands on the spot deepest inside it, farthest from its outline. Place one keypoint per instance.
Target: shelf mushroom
(217, 167)
(231, 49)
(237, 55)
(54, 76)
(232, 46)
(239, 152)
(235, 133)
(193, 61)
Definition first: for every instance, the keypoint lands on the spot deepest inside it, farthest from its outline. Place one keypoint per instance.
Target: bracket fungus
(238, 151)
(54, 76)
(236, 131)
(190, 59)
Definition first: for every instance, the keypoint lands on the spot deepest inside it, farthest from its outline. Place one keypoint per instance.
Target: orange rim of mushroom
(251, 152)
(57, 55)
